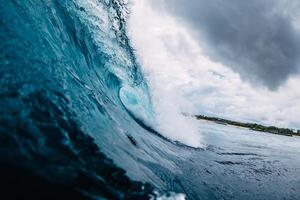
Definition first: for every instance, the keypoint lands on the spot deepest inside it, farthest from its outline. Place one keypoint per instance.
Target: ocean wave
(66, 67)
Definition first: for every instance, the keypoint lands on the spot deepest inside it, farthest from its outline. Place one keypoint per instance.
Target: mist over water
(164, 76)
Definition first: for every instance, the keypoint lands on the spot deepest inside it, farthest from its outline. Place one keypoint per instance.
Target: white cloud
(179, 73)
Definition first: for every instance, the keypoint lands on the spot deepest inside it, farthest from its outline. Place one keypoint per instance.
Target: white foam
(164, 75)
(172, 196)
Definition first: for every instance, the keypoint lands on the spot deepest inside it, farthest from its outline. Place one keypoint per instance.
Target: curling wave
(69, 85)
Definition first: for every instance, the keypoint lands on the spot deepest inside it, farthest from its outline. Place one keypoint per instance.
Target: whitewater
(85, 115)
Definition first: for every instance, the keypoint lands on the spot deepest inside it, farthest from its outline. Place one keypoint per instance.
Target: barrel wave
(77, 120)
(63, 67)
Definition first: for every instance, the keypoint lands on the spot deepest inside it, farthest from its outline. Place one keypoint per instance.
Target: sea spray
(167, 98)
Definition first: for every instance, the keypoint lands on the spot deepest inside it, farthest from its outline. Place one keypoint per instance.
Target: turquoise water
(76, 119)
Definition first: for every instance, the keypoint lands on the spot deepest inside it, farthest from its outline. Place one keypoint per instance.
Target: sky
(233, 59)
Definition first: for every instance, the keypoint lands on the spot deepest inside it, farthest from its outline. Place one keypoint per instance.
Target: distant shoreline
(251, 126)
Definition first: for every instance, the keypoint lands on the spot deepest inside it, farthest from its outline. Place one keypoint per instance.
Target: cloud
(184, 79)
(258, 39)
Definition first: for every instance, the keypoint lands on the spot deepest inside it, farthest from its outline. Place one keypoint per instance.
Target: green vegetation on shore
(252, 126)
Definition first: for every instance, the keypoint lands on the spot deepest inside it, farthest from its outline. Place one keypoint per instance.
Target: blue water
(76, 119)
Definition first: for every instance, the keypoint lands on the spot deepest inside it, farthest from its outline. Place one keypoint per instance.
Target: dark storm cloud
(253, 37)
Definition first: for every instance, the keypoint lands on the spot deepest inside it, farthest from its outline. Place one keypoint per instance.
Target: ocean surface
(77, 121)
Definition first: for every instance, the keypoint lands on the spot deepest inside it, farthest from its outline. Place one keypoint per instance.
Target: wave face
(77, 122)
(70, 89)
